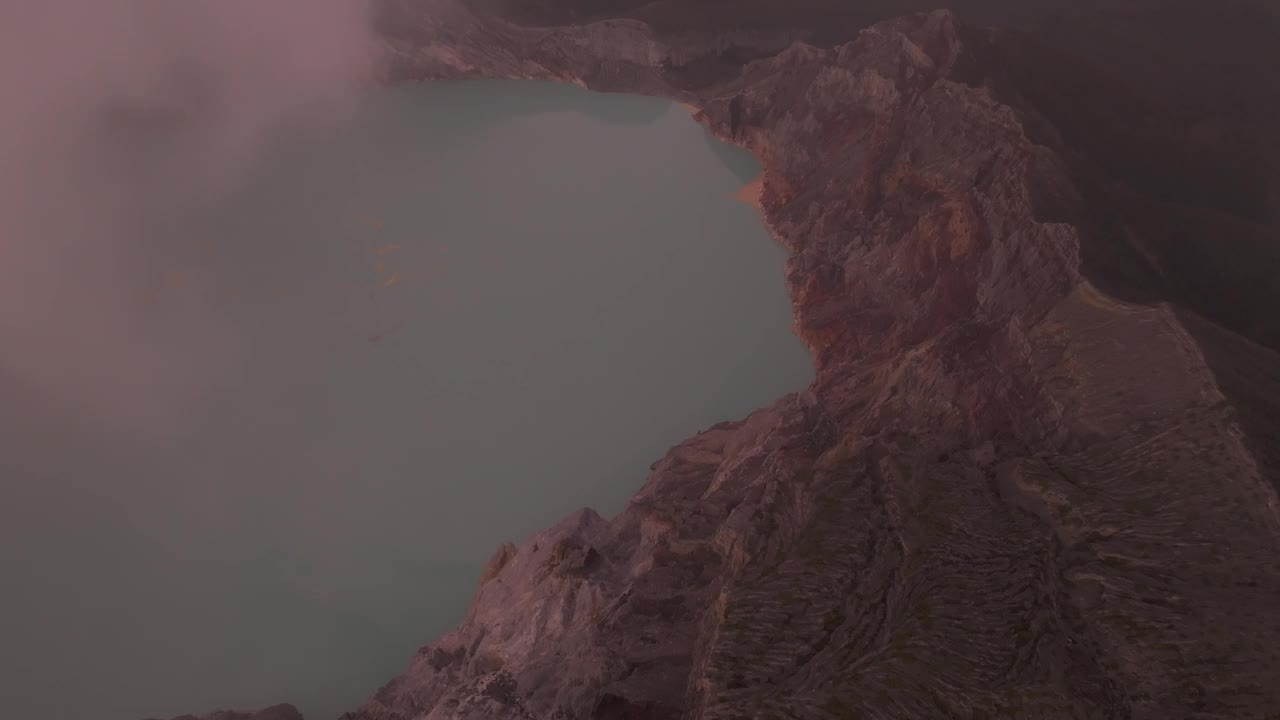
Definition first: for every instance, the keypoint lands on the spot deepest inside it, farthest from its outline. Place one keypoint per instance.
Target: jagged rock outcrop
(1032, 477)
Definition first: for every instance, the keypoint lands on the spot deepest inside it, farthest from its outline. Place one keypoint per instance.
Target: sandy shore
(750, 193)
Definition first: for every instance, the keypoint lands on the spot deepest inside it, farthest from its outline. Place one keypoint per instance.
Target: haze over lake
(460, 314)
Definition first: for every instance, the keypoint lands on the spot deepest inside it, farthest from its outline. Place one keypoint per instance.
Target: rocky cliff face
(1036, 473)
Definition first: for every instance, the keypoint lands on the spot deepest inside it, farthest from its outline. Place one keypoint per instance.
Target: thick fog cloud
(121, 118)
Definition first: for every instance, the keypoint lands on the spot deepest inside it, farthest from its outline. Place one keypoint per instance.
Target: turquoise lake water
(466, 312)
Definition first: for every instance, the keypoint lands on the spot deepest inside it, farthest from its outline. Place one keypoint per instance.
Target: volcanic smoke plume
(122, 119)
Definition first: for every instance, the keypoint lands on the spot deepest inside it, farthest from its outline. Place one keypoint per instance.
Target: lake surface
(466, 312)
